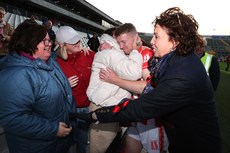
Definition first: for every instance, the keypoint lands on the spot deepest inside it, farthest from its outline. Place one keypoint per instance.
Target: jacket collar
(13, 59)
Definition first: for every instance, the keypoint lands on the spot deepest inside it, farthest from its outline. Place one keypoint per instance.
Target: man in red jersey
(228, 62)
(145, 134)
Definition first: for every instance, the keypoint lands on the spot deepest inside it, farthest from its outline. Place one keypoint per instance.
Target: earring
(171, 49)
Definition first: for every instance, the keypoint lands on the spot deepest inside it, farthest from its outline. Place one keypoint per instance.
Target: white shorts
(148, 135)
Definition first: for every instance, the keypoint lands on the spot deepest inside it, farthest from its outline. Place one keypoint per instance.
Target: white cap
(66, 34)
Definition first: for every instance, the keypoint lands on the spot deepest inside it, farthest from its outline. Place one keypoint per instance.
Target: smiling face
(44, 49)
(160, 42)
(73, 48)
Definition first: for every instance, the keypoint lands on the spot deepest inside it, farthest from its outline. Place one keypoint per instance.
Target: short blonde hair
(62, 52)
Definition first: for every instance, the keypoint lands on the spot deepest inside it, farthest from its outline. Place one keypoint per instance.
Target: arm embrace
(171, 95)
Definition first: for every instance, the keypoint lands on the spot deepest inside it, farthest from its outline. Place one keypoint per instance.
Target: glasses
(47, 42)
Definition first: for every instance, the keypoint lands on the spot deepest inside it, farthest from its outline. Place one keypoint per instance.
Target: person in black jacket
(211, 65)
(94, 42)
(179, 91)
(52, 35)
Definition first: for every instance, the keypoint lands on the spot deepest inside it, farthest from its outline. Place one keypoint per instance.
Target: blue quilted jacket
(35, 97)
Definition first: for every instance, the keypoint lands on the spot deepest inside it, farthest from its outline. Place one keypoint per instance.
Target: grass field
(222, 97)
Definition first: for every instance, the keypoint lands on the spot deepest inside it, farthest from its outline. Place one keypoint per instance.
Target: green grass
(222, 97)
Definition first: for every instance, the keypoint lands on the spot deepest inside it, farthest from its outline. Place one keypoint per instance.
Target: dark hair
(125, 28)
(110, 31)
(181, 28)
(26, 37)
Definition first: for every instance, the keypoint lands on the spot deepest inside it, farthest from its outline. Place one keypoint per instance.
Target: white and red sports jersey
(146, 53)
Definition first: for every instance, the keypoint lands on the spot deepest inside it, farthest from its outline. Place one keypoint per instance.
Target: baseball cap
(66, 34)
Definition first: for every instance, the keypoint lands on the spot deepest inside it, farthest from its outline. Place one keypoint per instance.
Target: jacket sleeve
(9, 32)
(169, 96)
(16, 112)
(107, 94)
(129, 68)
(100, 92)
(214, 73)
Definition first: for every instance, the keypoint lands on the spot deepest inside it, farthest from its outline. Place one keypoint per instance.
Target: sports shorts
(149, 136)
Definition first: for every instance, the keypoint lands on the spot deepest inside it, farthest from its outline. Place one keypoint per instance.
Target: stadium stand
(219, 47)
(15, 20)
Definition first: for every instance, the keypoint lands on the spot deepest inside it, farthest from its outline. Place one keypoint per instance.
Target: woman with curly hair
(183, 94)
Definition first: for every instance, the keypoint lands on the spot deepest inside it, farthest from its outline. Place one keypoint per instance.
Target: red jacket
(80, 65)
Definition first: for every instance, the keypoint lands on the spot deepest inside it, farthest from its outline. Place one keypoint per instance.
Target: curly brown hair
(181, 28)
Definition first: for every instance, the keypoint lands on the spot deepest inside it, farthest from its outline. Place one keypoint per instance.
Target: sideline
(228, 72)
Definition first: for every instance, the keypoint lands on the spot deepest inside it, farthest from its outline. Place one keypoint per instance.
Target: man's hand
(63, 130)
(84, 116)
(108, 76)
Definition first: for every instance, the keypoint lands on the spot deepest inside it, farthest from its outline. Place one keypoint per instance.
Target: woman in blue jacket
(179, 92)
(36, 97)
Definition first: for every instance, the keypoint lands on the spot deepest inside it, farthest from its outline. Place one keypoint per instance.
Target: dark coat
(214, 72)
(184, 100)
(93, 44)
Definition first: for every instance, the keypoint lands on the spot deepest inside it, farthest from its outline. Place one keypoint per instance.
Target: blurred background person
(37, 97)
(6, 30)
(77, 68)
(31, 19)
(227, 62)
(211, 65)
(93, 42)
(44, 20)
(51, 33)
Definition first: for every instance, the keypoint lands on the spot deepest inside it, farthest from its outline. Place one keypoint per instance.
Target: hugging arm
(130, 85)
(169, 96)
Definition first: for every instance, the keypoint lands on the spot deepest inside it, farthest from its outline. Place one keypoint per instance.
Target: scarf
(157, 67)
